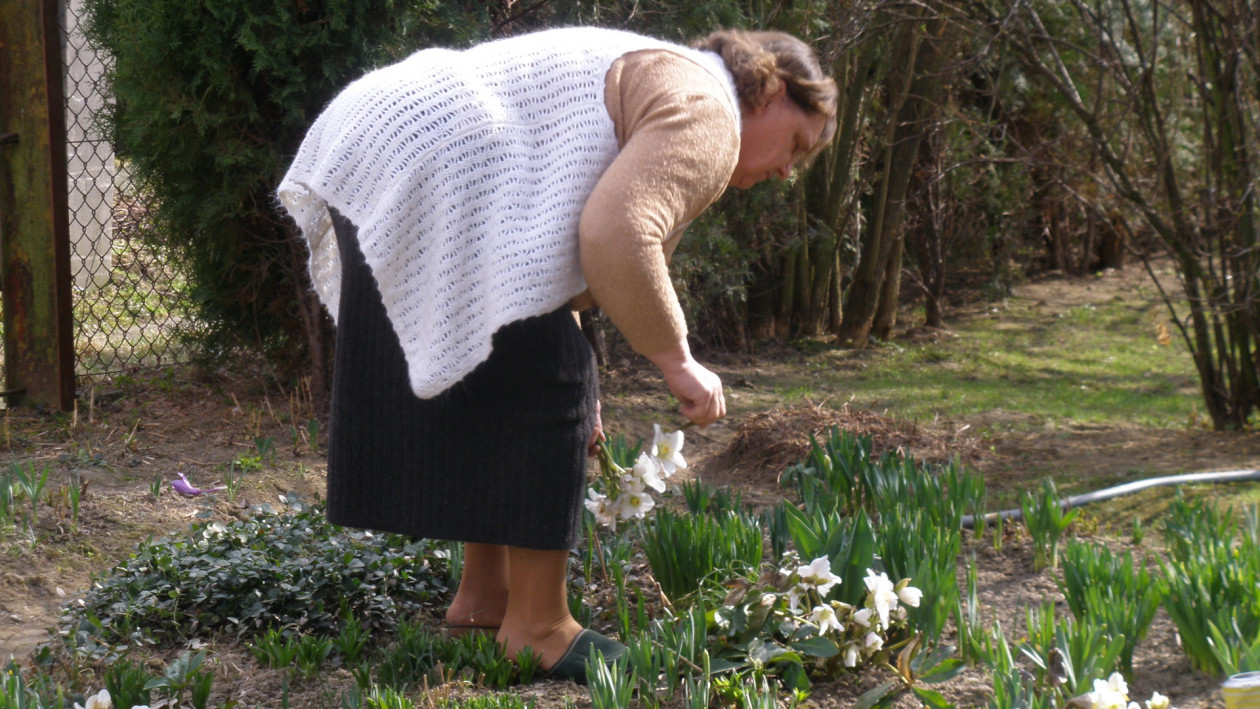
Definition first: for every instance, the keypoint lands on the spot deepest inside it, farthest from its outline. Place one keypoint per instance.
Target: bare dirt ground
(138, 431)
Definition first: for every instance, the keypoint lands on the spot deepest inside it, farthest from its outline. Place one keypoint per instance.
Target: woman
(459, 206)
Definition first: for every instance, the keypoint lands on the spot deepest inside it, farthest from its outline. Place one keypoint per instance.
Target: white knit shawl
(466, 173)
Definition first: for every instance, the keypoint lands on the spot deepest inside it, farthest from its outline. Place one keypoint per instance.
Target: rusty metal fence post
(34, 242)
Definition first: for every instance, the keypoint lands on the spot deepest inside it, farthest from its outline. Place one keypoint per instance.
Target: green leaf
(761, 652)
(932, 698)
(722, 664)
(944, 672)
(875, 696)
(817, 647)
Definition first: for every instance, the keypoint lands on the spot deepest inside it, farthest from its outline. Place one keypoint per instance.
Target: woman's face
(772, 138)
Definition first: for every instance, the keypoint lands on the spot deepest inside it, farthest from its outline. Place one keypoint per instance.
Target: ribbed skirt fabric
(500, 458)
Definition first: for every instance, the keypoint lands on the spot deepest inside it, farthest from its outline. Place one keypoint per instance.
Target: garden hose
(1231, 476)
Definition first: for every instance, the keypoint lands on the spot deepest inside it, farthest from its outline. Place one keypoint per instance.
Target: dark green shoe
(572, 666)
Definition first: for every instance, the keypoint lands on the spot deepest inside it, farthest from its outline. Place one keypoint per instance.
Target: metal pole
(34, 225)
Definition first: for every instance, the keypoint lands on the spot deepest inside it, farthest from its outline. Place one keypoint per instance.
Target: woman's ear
(770, 98)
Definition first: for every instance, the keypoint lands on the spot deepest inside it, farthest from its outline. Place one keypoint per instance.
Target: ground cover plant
(119, 443)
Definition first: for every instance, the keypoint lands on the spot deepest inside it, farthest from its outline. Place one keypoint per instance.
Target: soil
(137, 431)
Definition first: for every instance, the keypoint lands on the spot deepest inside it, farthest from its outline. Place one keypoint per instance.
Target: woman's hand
(699, 389)
(592, 446)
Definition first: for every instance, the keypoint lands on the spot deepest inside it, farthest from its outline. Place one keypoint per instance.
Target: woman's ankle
(548, 641)
(477, 611)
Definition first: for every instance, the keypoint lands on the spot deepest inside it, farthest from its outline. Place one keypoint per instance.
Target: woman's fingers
(700, 392)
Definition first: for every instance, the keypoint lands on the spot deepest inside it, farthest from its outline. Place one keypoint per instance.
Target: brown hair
(761, 62)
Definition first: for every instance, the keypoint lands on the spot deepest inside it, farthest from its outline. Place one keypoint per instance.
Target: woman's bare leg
(538, 606)
(482, 596)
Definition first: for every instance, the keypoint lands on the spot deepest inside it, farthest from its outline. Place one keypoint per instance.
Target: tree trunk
(890, 292)
(787, 290)
(915, 83)
(886, 212)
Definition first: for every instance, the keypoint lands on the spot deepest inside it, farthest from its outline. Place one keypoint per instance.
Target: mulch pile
(768, 443)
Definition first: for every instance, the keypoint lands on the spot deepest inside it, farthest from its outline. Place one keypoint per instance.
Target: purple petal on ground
(183, 487)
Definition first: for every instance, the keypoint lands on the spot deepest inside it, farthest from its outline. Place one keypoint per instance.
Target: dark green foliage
(1112, 592)
(417, 654)
(1211, 577)
(1047, 520)
(274, 650)
(849, 542)
(683, 550)
(127, 683)
(212, 98)
(491, 701)
(271, 571)
(351, 641)
(913, 546)
(842, 475)
(917, 512)
(1067, 655)
(703, 498)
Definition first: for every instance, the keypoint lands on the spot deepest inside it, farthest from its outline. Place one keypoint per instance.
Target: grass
(1096, 364)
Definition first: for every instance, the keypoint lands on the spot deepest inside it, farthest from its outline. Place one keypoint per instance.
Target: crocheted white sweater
(466, 173)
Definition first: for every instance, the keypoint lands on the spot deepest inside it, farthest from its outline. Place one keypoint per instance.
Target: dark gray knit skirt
(500, 458)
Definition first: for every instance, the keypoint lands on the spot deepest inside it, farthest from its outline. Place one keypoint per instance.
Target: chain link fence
(130, 304)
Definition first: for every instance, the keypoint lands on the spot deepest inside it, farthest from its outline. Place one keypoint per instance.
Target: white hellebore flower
(818, 575)
(863, 617)
(873, 641)
(667, 449)
(648, 471)
(825, 618)
(1158, 701)
(634, 504)
(604, 510)
(851, 655)
(795, 594)
(100, 700)
(882, 593)
(1112, 693)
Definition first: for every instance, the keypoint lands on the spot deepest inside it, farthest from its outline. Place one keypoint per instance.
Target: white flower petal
(910, 596)
(648, 472)
(667, 449)
(634, 504)
(825, 618)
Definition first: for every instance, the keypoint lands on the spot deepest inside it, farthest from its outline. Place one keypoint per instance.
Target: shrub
(271, 571)
(211, 100)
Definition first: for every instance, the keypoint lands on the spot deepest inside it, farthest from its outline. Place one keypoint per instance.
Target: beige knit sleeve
(680, 144)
